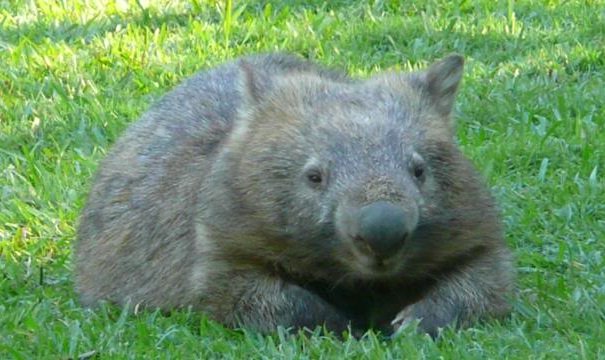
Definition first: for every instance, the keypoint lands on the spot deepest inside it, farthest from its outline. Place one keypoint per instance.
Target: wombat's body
(272, 192)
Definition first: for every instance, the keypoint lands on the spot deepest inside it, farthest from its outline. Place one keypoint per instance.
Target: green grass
(73, 74)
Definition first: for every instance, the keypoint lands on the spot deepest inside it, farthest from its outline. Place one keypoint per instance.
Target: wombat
(272, 192)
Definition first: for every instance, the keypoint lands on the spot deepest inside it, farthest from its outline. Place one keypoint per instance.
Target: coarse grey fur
(245, 193)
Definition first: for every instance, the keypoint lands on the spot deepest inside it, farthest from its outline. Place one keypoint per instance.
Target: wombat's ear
(254, 84)
(442, 80)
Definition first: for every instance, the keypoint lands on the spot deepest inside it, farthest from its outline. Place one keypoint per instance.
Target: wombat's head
(347, 177)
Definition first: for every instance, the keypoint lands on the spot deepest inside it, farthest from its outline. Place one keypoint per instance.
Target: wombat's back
(136, 234)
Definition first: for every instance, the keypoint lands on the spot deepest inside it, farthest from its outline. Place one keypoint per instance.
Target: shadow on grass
(387, 43)
(69, 31)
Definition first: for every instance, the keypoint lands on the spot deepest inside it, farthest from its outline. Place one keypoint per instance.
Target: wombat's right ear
(442, 80)
(254, 84)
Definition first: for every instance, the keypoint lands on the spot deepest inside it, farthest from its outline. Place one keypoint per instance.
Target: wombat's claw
(403, 320)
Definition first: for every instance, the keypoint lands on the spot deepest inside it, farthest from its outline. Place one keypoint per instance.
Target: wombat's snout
(382, 229)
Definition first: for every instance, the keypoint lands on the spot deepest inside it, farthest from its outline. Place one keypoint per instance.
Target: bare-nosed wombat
(270, 191)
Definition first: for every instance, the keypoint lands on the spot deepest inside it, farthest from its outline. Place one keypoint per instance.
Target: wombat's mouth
(369, 265)
(378, 270)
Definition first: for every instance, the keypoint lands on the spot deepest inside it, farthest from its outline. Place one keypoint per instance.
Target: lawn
(74, 74)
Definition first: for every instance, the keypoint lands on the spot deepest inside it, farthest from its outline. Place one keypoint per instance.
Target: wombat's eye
(314, 177)
(419, 172)
(418, 167)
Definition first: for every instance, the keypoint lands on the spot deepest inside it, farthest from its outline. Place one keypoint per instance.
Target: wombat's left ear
(442, 80)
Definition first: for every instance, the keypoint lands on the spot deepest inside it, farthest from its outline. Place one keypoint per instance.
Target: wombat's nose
(382, 228)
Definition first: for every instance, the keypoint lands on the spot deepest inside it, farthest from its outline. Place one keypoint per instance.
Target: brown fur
(205, 202)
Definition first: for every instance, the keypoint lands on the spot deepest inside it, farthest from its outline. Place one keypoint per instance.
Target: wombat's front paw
(430, 318)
